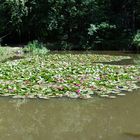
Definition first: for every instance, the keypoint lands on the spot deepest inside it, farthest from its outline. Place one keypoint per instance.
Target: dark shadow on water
(89, 52)
(123, 53)
(132, 135)
(13, 58)
(121, 62)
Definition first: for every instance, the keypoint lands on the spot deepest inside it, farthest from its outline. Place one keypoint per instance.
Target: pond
(71, 119)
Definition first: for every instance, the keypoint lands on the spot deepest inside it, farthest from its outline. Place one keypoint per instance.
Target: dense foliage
(71, 24)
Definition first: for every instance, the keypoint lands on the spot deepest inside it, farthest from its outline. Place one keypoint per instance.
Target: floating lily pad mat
(67, 75)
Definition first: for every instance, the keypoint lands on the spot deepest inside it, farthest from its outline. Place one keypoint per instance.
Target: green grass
(7, 53)
(66, 75)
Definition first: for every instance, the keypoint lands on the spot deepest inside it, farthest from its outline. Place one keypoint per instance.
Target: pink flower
(10, 90)
(78, 85)
(98, 78)
(78, 91)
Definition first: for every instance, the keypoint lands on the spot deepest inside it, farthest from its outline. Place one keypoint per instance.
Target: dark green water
(67, 119)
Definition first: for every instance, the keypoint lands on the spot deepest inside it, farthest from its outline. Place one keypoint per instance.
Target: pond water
(71, 119)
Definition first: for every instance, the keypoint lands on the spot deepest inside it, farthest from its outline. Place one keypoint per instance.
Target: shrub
(35, 47)
(136, 39)
(101, 34)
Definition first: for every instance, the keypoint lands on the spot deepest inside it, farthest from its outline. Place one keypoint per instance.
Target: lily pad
(67, 75)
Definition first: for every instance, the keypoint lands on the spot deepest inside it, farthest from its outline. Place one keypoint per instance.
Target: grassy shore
(9, 53)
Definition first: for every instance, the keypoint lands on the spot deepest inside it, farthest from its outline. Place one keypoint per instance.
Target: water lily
(78, 85)
(78, 91)
(98, 78)
(54, 79)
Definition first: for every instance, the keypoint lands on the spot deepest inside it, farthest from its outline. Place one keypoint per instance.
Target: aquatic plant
(67, 75)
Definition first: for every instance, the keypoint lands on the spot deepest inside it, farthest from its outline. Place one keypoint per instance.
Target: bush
(36, 47)
(101, 35)
(136, 40)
